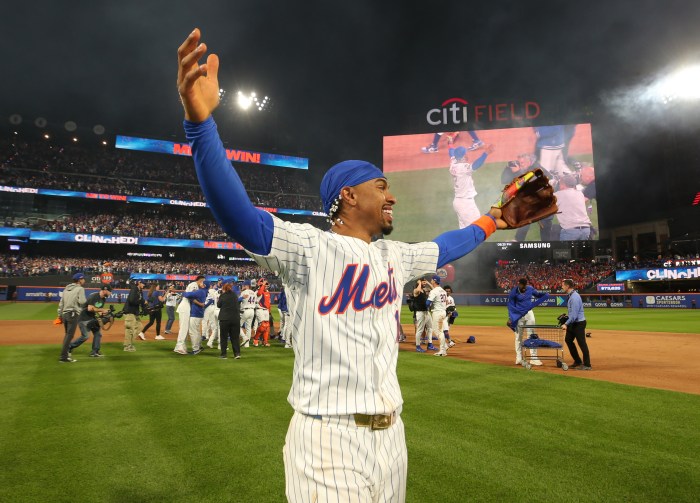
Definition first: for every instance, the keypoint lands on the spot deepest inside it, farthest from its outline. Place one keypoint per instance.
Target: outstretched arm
(198, 86)
(456, 244)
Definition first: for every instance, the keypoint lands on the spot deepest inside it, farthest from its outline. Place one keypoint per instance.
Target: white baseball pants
(528, 319)
(438, 318)
(330, 459)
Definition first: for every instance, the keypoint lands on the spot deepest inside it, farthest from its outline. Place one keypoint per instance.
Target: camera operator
(154, 301)
(170, 304)
(132, 310)
(87, 321)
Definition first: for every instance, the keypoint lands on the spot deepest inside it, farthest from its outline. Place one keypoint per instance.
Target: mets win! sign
(169, 147)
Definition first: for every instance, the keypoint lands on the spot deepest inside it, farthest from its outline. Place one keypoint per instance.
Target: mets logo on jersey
(350, 291)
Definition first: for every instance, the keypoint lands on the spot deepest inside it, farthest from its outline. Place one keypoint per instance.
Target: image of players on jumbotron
(446, 180)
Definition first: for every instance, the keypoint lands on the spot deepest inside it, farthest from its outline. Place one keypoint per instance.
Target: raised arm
(198, 86)
(456, 244)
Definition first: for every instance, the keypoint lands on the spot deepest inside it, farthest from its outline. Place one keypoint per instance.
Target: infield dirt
(650, 359)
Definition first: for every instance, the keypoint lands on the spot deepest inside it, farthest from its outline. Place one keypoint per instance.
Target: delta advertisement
(143, 199)
(169, 147)
(667, 273)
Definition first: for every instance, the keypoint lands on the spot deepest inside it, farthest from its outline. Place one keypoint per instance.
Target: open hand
(197, 84)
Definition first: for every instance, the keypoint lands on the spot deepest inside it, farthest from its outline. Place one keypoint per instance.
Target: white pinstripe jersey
(250, 299)
(462, 180)
(344, 299)
(212, 294)
(184, 306)
(438, 297)
(450, 301)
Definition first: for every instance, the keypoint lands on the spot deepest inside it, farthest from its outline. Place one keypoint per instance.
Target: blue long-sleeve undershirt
(225, 192)
(456, 244)
(253, 228)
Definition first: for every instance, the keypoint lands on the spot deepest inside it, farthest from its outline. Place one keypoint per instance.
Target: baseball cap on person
(346, 174)
(436, 279)
(78, 276)
(460, 152)
(107, 287)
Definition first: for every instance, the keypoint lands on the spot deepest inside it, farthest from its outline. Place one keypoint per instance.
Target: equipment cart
(548, 340)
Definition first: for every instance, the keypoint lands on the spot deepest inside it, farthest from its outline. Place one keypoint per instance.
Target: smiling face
(374, 206)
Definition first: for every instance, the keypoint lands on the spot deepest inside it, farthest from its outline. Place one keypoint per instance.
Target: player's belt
(373, 422)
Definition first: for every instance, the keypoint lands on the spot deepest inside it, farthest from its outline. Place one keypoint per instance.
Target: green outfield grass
(38, 310)
(424, 208)
(155, 426)
(645, 320)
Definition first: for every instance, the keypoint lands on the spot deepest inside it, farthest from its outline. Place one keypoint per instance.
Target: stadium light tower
(246, 101)
(683, 84)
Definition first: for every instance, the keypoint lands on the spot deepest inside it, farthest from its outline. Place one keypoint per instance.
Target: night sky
(342, 75)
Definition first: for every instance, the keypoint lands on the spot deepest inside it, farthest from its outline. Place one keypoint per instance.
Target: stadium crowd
(75, 168)
(17, 265)
(548, 277)
(660, 261)
(146, 223)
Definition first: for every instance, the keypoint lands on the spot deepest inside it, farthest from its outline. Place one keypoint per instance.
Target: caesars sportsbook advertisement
(432, 186)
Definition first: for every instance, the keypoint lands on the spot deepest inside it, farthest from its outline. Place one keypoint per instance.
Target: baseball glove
(562, 318)
(527, 199)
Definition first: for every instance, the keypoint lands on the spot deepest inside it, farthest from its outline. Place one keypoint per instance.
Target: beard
(387, 228)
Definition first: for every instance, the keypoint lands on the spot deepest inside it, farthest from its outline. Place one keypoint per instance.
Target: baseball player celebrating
(211, 314)
(437, 301)
(451, 311)
(285, 320)
(465, 192)
(248, 301)
(345, 293)
(183, 313)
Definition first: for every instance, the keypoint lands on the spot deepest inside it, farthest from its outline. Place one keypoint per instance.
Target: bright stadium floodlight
(683, 84)
(245, 101)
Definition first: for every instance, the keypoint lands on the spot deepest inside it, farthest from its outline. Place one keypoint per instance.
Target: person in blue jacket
(197, 300)
(521, 300)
